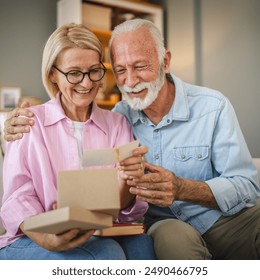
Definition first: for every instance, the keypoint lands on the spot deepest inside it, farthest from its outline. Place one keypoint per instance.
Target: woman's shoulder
(40, 111)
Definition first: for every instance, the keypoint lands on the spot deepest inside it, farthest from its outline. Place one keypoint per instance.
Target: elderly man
(200, 181)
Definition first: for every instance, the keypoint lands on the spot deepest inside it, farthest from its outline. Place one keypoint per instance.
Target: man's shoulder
(123, 108)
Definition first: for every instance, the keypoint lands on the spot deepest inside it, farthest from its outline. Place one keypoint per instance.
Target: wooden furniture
(102, 16)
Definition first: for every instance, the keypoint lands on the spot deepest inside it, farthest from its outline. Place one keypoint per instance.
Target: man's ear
(167, 61)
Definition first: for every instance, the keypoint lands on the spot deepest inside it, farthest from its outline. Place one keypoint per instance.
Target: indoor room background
(214, 43)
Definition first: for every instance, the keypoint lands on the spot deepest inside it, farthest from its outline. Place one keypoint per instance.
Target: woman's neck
(78, 114)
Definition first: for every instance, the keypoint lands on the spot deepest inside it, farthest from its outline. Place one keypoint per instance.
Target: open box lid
(95, 189)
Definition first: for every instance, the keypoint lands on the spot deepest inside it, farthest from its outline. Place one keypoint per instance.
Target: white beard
(153, 89)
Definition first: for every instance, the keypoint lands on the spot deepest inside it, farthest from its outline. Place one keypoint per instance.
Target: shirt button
(168, 121)
(178, 213)
(156, 130)
(183, 156)
(143, 120)
(199, 156)
(157, 157)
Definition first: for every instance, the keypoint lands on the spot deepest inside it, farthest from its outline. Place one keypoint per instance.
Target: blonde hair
(70, 35)
(134, 24)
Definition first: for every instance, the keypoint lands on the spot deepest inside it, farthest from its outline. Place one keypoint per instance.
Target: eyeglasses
(76, 77)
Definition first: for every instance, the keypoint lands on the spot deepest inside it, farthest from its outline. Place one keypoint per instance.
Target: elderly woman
(65, 126)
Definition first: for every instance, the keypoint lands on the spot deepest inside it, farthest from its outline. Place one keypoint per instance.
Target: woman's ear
(53, 77)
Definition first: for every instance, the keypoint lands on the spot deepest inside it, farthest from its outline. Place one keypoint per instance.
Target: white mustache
(137, 88)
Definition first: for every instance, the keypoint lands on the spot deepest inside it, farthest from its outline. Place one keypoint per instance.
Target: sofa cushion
(1, 190)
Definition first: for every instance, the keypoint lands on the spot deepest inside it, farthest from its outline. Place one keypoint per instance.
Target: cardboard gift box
(95, 190)
(86, 198)
(66, 218)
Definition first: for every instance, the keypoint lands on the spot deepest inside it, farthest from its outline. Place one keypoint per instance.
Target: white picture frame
(9, 97)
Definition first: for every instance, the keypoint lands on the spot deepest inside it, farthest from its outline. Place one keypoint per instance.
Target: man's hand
(15, 126)
(158, 187)
(161, 187)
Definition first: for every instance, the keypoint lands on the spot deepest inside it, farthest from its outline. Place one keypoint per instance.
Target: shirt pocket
(192, 162)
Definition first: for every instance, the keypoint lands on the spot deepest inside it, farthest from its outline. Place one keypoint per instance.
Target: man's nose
(131, 78)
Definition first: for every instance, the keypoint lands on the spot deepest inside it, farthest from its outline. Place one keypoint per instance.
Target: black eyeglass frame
(83, 73)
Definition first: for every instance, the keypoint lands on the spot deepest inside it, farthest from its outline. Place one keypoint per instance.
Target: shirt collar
(179, 110)
(98, 118)
(54, 113)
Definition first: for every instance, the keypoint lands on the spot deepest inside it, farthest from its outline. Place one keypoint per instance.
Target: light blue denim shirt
(200, 139)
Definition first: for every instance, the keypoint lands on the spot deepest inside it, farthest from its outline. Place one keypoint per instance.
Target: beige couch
(1, 189)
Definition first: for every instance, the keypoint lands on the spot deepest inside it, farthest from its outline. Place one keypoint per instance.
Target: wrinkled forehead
(138, 43)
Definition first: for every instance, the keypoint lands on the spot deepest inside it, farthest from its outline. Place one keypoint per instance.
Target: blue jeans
(137, 247)
(96, 248)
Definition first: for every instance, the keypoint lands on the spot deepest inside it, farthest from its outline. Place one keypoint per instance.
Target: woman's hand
(59, 242)
(130, 168)
(133, 166)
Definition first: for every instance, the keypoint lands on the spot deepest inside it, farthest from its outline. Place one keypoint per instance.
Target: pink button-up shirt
(32, 163)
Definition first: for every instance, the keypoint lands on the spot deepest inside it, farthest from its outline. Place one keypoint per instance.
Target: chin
(137, 103)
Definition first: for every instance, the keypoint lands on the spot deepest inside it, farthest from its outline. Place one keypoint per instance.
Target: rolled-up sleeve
(237, 184)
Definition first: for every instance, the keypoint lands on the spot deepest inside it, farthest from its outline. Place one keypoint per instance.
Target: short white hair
(134, 24)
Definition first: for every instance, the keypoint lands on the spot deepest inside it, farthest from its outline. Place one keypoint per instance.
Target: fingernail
(132, 190)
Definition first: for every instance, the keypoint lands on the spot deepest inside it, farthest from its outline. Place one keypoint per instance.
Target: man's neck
(162, 104)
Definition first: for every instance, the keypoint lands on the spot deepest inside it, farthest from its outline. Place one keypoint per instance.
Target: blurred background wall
(214, 43)
(24, 28)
